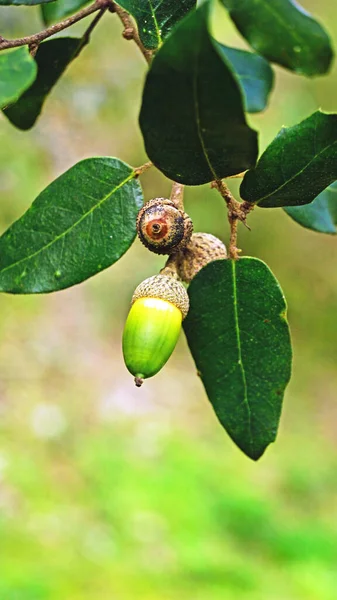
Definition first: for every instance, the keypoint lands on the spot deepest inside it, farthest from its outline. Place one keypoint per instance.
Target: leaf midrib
(160, 41)
(65, 233)
(285, 24)
(240, 361)
(197, 113)
(284, 184)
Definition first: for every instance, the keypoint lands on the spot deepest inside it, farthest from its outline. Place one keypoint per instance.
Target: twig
(233, 249)
(237, 176)
(170, 267)
(88, 32)
(130, 30)
(131, 33)
(33, 48)
(177, 195)
(237, 211)
(140, 170)
(37, 38)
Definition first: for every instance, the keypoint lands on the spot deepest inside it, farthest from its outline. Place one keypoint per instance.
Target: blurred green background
(111, 492)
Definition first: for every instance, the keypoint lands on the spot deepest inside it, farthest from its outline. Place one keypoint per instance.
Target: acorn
(162, 227)
(202, 249)
(159, 304)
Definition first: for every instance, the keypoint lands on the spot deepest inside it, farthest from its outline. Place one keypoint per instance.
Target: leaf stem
(94, 22)
(170, 267)
(37, 38)
(138, 171)
(131, 32)
(237, 211)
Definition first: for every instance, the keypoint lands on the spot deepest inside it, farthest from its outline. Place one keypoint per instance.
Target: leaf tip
(255, 452)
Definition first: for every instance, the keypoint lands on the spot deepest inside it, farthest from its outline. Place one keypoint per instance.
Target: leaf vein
(240, 362)
(291, 179)
(64, 233)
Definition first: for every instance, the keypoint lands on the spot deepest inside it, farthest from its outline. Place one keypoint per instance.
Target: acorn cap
(165, 288)
(201, 250)
(162, 227)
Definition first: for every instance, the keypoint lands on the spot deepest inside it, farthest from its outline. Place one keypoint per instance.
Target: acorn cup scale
(153, 325)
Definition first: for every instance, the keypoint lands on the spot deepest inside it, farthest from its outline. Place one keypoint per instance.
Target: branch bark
(131, 32)
(177, 195)
(37, 38)
(237, 211)
(140, 170)
(130, 29)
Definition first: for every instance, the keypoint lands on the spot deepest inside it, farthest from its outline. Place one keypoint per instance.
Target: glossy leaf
(55, 11)
(255, 76)
(192, 115)
(237, 332)
(321, 214)
(297, 166)
(284, 33)
(79, 225)
(17, 72)
(52, 59)
(22, 2)
(156, 18)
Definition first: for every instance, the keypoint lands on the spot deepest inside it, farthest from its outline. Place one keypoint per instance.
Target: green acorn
(159, 304)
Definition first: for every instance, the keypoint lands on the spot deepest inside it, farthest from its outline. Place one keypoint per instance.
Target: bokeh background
(111, 492)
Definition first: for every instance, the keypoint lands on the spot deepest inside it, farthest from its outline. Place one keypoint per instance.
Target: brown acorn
(162, 227)
(202, 249)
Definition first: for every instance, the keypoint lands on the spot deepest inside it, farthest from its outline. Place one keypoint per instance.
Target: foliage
(320, 214)
(156, 18)
(208, 138)
(303, 47)
(18, 71)
(51, 60)
(298, 165)
(195, 130)
(81, 223)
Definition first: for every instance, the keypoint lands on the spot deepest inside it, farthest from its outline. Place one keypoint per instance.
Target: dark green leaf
(299, 164)
(192, 115)
(156, 18)
(17, 72)
(283, 32)
(255, 76)
(52, 59)
(321, 214)
(79, 225)
(22, 2)
(237, 332)
(55, 11)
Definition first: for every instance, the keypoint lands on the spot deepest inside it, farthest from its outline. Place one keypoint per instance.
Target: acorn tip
(139, 381)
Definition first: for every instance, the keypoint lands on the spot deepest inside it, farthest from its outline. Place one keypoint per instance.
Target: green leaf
(321, 214)
(55, 11)
(237, 332)
(17, 72)
(255, 76)
(284, 33)
(192, 115)
(79, 225)
(22, 2)
(52, 59)
(156, 18)
(299, 164)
